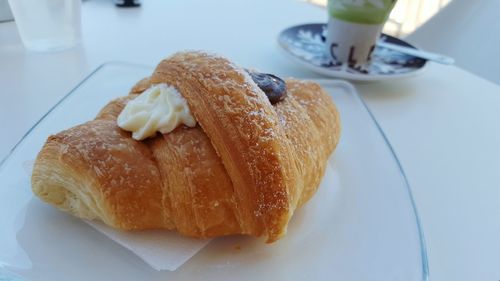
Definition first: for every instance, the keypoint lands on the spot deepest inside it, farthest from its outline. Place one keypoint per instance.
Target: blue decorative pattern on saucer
(307, 43)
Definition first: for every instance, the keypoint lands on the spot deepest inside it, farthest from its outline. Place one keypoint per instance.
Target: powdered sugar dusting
(260, 146)
(245, 130)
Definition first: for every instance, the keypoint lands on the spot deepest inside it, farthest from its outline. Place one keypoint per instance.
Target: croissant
(244, 168)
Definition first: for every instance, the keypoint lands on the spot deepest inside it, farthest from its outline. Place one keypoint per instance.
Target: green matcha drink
(361, 11)
(353, 28)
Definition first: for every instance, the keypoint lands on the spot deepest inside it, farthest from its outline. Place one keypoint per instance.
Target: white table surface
(443, 124)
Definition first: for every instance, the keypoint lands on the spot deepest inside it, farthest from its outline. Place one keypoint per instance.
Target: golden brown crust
(197, 185)
(118, 174)
(243, 170)
(244, 130)
(140, 86)
(113, 108)
(322, 138)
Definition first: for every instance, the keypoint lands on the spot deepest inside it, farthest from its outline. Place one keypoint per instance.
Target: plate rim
(423, 245)
(60, 101)
(323, 82)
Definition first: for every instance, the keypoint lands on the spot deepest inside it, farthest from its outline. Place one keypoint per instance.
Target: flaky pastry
(244, 168)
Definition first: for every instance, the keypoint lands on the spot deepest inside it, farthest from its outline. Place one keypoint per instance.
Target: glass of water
(48, 25)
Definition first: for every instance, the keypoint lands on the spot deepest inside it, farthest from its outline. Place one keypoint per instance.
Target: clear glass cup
(5, 14)
(48, 25)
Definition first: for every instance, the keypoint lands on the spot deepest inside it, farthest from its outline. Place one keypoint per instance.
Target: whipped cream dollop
(160, 108)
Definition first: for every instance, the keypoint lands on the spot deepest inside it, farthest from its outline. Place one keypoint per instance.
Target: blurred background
(460, 29)
(407, 15)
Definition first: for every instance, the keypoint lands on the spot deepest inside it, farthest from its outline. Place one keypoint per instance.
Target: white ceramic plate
(305, 45)
(362, 224)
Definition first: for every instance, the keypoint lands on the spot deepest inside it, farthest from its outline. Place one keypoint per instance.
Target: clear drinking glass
(48, 25)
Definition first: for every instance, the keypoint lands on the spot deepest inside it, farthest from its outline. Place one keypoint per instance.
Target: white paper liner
(161, 249)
